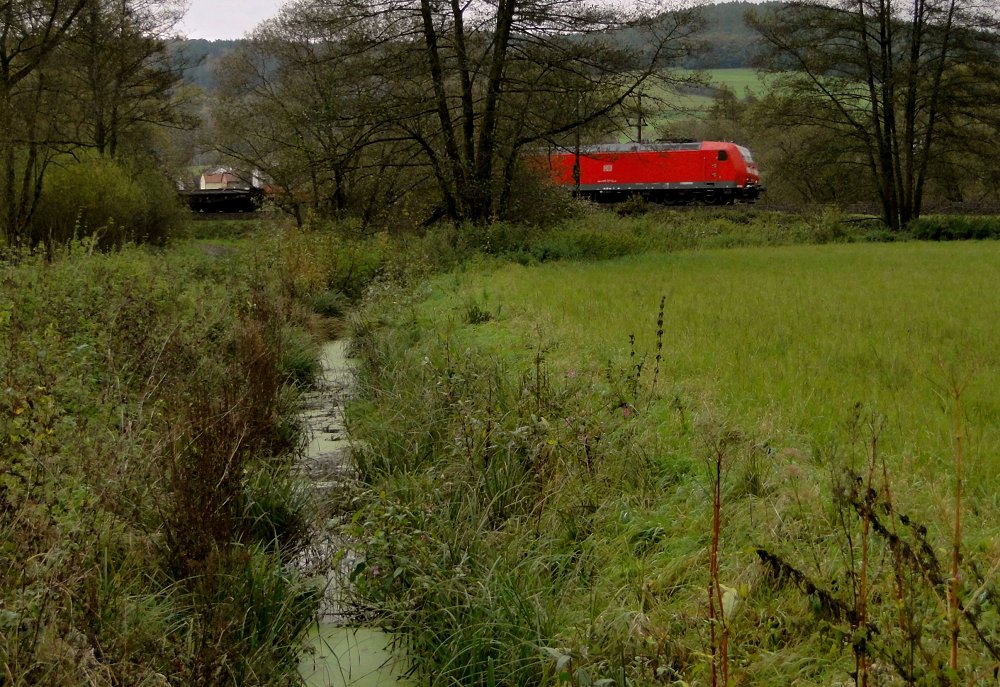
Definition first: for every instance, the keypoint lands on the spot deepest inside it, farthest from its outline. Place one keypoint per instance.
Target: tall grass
(529, 456)
(148, 431)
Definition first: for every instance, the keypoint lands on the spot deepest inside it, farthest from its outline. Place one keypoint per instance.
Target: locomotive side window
(723, 156)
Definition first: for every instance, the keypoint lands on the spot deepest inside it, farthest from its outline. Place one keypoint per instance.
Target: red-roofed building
(221, 178)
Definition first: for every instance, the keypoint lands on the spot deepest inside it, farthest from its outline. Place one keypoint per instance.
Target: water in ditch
(340, 654)
(355, 656)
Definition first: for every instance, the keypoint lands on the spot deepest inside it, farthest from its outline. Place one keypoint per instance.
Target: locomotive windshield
(747, 157)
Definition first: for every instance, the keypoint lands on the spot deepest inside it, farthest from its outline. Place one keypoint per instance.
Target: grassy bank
(149, 508)
(556, 485)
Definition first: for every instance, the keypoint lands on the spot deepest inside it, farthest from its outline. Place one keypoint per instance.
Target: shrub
(277, 510)
(955, 228)
(162, 214)
(536, 201)
(253, 616)
(330, 303)
(298, 364)
(102, 198)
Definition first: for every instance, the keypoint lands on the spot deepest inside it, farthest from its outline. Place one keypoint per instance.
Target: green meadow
(563, 438)
(543, 462)
(787, 338)
(740, 81)
(673, 107)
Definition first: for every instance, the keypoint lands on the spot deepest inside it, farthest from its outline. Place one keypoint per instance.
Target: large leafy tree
(30, 31)
(117, 63)
(804, 164)
(295, 103)
(77, 74)
(897, 81)
(458, 89)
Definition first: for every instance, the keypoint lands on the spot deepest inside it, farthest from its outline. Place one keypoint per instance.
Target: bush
(535, 200)
(955, 228)
(298, 361)
(162, 214)
(102, 198)
(330, 303)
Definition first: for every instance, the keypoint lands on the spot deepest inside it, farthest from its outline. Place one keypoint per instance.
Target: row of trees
(430, 105)
(901, 91)
(355, 105)
(78, 78)
(890, 103)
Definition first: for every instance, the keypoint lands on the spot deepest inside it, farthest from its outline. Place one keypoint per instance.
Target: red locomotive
(705, 171)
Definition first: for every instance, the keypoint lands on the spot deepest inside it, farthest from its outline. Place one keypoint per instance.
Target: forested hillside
(728, 43)
(202, 58)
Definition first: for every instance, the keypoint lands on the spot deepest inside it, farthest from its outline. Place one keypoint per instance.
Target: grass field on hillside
(738, 80)
(679, 106)
(579, 490)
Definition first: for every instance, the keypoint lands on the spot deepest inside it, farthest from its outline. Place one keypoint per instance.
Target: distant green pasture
(678, 106)
(738, 80)
(785, 341)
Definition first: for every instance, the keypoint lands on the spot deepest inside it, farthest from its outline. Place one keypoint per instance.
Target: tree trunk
(483, 200)
(441, 106)
(9, 200)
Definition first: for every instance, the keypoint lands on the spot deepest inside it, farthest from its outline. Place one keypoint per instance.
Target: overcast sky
(229, 19)
(225, 19)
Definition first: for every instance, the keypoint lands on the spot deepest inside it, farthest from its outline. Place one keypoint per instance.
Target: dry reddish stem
(956, 550)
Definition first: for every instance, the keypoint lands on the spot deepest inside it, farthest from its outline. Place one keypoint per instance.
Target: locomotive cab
(734, 171)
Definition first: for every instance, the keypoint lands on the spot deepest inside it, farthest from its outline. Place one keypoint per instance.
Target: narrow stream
(341, 654)
(355, 656)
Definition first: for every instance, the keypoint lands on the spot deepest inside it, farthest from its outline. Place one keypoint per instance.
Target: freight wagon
(223, 200)
(686, 172)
